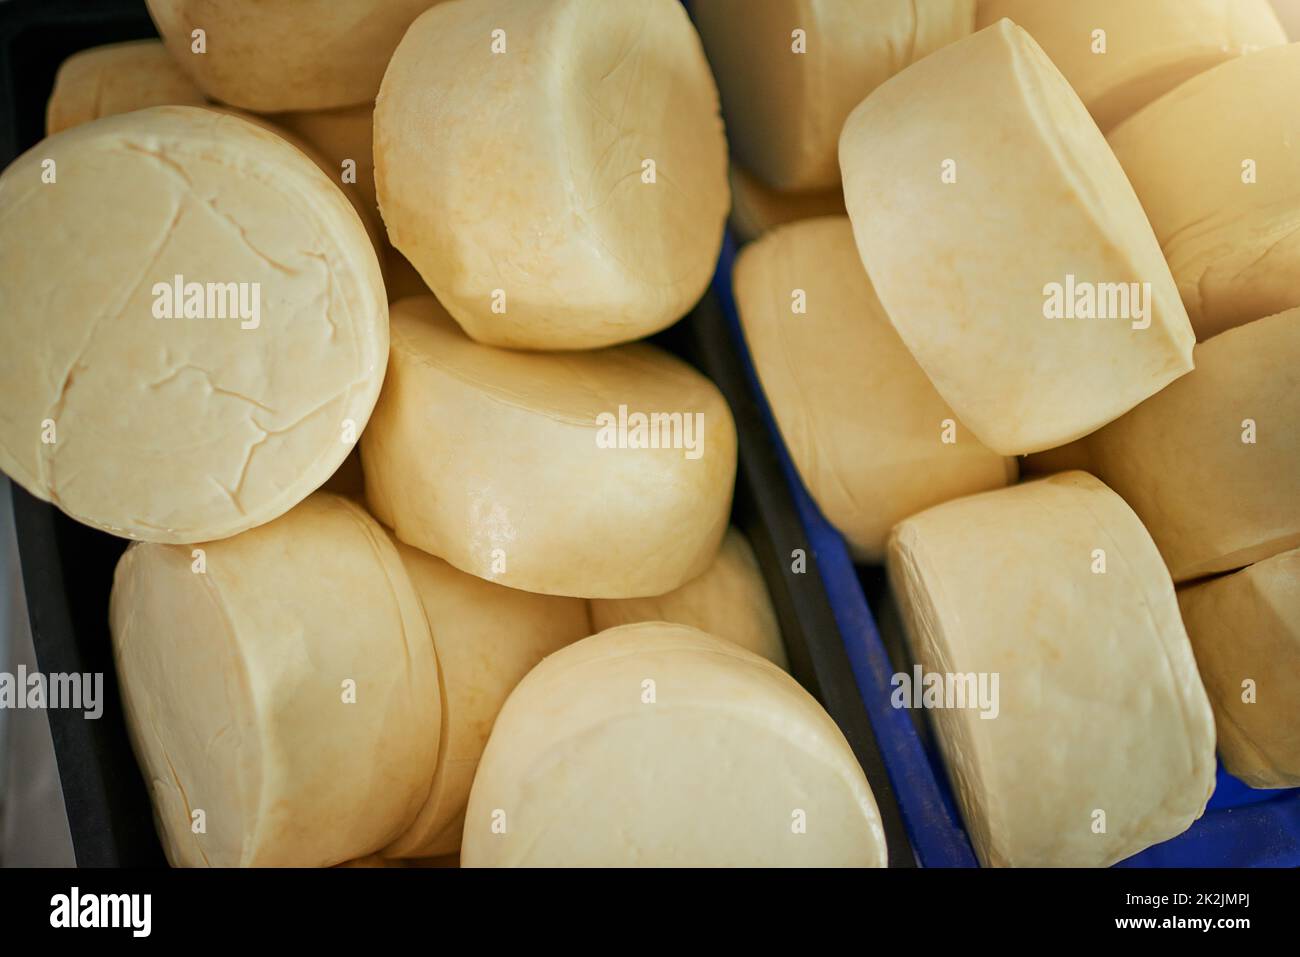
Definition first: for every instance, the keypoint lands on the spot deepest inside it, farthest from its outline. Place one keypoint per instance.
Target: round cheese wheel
(193, 427)
(282, 683)
(729, 600)
(116, 78)
(593, 474)
(871, 438)
(756, 208)
(1212, 463)
(1119, 55)
(1007, 247)
(278, 56)
(790, 72)
(659, 745)
(555, 170)
(1245, 629)
(486, 638)
(343, 137)
(1216, 164)
(1097, 739)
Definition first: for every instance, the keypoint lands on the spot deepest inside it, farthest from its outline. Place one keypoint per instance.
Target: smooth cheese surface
(1245, 629)
(658, 745)
(728, 600)
(1212, 464)
(271, 57)
(757, 208)
(989, 211)
(486, 638)
(537, 483)
(790, 72)
(235, 684)
(863, 424)
(1216, 164)
(516, 182)
(116, 78)
(181, 429)
(1288, 12)
(1119, 55)
(1099, 707)
(341, 136)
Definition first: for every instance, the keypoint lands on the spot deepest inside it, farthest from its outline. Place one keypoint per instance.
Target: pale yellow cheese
(657, 745)
(541, 471)
(556, 170)
(116, 78)
(990, 213)
(1216, 164)
(871, 438)
(282, 683)
(1245, 629)
(1288, 12)
(729, 600)
(486, 638)
(275, 56)
(756, 208)
(1119, 55)
(181, 429)
(1099, 740)
(342, 136)
(790, 71)
(1212, 464)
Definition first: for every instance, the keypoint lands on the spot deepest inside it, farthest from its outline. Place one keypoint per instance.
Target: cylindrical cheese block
(657, 745)
(556, 170)
(729, 600)
(345, 138)
(1216, 164)
(593, 474)
(1090, 737)
(871, 438)
(280, 690)
(276, 56)
(215, 359)
(1119, 55)
(1212, 463)
(1007, 246)
(756, 208)
(1245, 629)
(116, 78)
(790, 71)
(486, 638)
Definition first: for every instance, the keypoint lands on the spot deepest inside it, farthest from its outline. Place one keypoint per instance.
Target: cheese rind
(486, 638)
(1212, 464)
(729, 600)
(1146, 47)
(116, 78)
(1098, 706)
(864, 426)
(785, 107)
(757, 208)
(657, 745)
(983, 198)
(1216, 164)
(536, 483)
(288, 690)
(181, 429)
(341, 135)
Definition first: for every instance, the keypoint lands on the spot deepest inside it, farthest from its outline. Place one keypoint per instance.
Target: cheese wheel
(270, 57)
(1098, 715)
(181, 429)
(1245, 629)
(729, 600)
(1212, 464)
(342, 136)
(555, 170)
(116, 78)
(548, 471)
(1119, 55)
(1216, 164)
(756, 208)
(486, 638)
(1288, 12)
(871, 438)
(1007, 247)
(658, 745)
(790, 71)
(287, 689)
